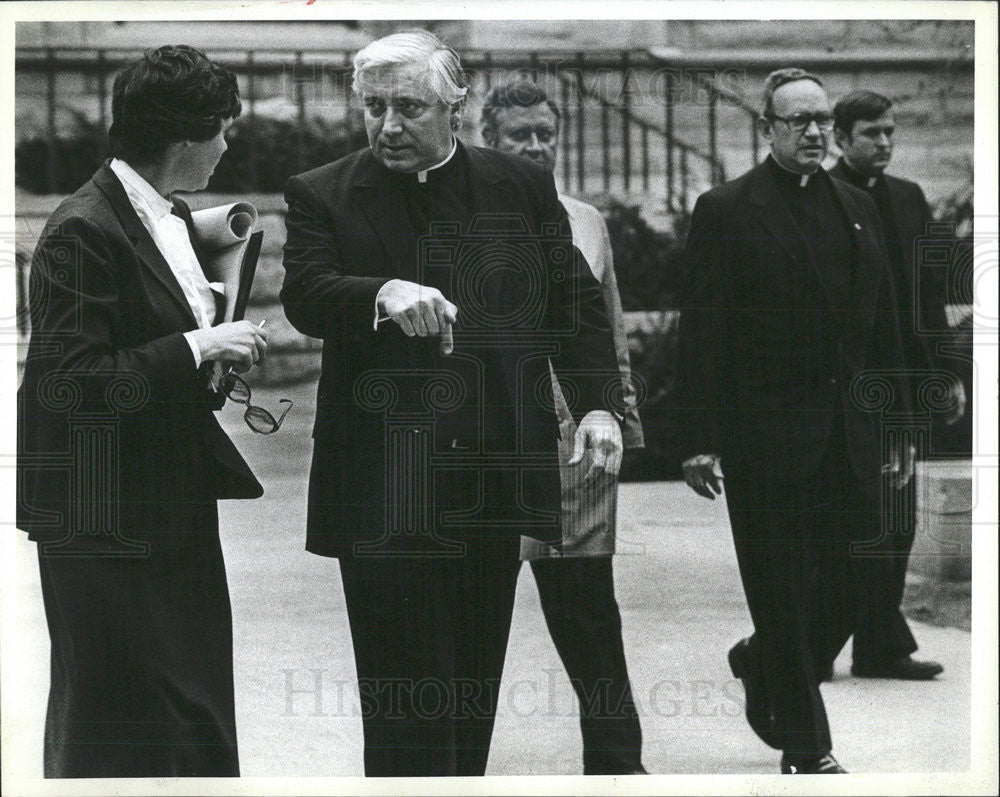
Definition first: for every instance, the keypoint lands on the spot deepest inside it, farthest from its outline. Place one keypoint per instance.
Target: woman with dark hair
(120, 458)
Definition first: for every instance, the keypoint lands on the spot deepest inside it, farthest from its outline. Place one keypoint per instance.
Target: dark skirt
(142, 662)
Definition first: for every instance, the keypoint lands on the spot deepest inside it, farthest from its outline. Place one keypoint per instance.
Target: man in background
(864, 127)
(575, 580)
(787, 313)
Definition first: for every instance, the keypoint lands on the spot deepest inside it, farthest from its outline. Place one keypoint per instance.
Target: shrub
(77, 157)
(654, 361)
(274, 143)
(649, 266)
(648, 262)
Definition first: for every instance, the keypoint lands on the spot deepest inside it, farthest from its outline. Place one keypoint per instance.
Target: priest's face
(409, 127)
(868, 148)
(799, 129)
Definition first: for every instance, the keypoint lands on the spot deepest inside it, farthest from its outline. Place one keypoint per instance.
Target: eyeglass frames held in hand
(235, 388)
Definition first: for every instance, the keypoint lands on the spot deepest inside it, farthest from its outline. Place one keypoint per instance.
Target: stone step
(942, 545)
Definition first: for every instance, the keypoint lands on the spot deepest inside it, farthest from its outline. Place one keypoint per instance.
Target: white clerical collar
(869, 181)
(422, 174)
(131, 179)
(803, 178)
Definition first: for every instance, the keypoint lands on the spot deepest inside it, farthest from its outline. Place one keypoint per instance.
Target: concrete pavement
(682, 607)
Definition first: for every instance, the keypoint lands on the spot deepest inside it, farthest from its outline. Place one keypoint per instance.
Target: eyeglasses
(411, 109)
(235, 388)
(799, 122)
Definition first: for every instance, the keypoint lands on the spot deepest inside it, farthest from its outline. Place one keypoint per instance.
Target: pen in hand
(260, 325)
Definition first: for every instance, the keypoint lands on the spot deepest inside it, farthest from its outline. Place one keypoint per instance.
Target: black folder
(248, 268)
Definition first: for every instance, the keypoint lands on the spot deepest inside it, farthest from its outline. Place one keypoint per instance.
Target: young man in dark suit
(789, 352)
(864, 128)
(441, 278)
(120, 458)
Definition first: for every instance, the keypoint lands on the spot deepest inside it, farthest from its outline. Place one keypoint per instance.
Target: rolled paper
(223, 232)
(224, 225)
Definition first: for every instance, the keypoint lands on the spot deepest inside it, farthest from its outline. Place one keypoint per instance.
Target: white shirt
(170, 234)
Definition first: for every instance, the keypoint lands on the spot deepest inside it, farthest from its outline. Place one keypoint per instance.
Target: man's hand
(702, 472)
(599, 432)
(901, 465)
(238, 342)
(419, 310)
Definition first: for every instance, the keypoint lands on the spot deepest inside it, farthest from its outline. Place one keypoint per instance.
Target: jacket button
(833, 380)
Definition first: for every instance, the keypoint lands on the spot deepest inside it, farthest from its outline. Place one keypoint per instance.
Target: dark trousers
(800, 575)
(142, 663)
(430, 636)
(882, 633)
(578, 600)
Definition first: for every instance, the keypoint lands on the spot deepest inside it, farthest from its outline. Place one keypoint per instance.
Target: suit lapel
(904, 217)
(491, 190)
(146, 250)
(492, 204)
(182, 210)
(866, 256)
(777, 220)
(381, 200)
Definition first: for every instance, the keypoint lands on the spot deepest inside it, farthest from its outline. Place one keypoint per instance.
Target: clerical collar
(857, 177)
(790, 177)
(422, 174)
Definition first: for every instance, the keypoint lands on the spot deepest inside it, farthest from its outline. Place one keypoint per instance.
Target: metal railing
(619, 108)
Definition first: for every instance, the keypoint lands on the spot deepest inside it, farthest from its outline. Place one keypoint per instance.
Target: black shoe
(757, 709)
(904, 669)
(810, 765)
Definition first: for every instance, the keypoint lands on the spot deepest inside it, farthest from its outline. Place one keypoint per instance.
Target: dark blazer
(911, 217)
(116, 431)
(768, 368)
(347, 236)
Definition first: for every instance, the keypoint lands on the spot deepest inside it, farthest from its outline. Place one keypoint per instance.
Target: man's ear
(841, 138)
(456, 115)
(764, 126)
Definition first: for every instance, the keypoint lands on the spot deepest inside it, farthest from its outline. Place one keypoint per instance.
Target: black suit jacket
(116, 430)
(403, 449)
(768, 369)
(921, 306)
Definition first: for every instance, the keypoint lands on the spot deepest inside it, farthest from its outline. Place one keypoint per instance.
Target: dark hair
(778, 78)
(856, 106)
(519, 91)
(173, 93)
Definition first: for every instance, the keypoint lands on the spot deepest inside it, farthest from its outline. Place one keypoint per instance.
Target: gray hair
(444, 68)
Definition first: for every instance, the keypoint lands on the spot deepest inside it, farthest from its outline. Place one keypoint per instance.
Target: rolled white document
(223, 232)
(224, 225)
